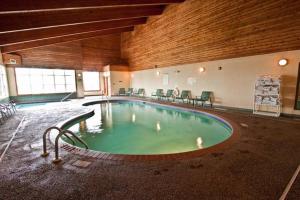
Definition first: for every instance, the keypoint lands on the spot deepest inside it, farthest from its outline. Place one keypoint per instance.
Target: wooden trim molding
(46, 33)
(33, 20)
(82, 36)
(17, 6)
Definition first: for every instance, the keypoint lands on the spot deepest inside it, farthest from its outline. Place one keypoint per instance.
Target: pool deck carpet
(259, 165)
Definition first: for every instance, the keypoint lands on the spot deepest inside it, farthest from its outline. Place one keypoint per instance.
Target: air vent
(12, 61)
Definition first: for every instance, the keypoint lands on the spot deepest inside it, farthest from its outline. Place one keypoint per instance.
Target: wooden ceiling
(35, 23)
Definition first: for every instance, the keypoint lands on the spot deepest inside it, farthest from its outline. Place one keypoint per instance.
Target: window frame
(99, 85)
(54, 84)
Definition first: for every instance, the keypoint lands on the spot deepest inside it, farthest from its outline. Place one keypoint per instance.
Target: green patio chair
(185, 95)
(129, 92)
(140, 92)
(205, 96)
(158, 94)
(122, 92)
(168, 95)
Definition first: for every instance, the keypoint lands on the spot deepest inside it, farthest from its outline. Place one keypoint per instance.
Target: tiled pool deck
(258, 165)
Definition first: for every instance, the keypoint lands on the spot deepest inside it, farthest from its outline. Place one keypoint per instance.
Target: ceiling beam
(81, 36)
(33, 20)
(14, 6)
(45, 33)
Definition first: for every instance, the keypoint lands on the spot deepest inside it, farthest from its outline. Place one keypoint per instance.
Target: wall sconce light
(157, 73)
(201, 69)
(132, 75)
(79, 77)
(283, 62)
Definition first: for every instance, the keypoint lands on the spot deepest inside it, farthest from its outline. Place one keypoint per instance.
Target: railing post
(45, 153)
(57, 158)
(61, 132)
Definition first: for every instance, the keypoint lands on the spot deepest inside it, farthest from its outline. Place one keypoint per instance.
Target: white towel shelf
(267, 98)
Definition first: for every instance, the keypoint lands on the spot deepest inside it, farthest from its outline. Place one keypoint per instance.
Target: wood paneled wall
(89, 54)
(64, 55)
(203, 30)
(101, 51)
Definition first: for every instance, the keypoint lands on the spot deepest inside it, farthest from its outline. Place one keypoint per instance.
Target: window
(39, 81)
(3, 82)
(91, 81)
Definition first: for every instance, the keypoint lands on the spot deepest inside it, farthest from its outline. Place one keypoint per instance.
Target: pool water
(29, 105)
(138, 128)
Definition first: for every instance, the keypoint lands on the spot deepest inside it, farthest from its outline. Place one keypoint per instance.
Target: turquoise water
(139, 128)
(29, 105)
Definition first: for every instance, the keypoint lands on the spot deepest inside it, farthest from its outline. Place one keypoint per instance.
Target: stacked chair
(7, 110)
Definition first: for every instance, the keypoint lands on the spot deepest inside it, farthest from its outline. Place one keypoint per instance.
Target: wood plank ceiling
(35, 23)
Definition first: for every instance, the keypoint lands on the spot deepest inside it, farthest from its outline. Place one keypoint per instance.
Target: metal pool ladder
(61, 132)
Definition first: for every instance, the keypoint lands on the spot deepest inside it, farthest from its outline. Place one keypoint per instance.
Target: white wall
(119, 80)
(12, 83)
(3, 83)
(233, 86)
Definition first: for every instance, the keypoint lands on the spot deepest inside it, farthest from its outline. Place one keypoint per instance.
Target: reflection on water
(132, 128)
(82, 126)
(157, 126)
(106, 114)
(161, 110)
(199, 142)
(206, 121)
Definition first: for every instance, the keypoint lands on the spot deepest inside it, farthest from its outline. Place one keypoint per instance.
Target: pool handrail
(45, 153)
(63, 132)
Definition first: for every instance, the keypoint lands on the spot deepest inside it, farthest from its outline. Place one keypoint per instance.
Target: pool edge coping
(153, 157)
